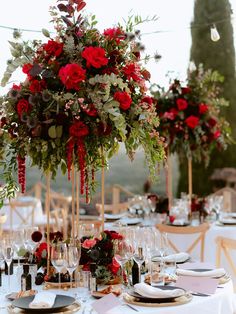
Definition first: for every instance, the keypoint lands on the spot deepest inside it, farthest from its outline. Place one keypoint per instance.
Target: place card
(106, 303)
(197, 284)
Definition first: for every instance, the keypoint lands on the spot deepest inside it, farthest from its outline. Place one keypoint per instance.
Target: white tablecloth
(220, 303)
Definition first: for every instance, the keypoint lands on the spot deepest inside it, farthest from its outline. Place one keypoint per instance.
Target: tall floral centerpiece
(191, 118)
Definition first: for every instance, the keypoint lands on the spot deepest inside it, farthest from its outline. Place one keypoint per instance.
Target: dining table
(222, 302)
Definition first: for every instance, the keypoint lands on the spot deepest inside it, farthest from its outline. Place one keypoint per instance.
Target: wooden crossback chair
(17, 208)
(113, 208)
(225, 245)
(229, 198)
(201, 230)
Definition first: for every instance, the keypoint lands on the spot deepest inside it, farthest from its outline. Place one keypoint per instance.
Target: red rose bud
(91, 110)
(132, 71)
(185, 90)
(192, 121)
(124, 99)
(95, 57)
(203, 108)
(212, 122)
(115, 33)
(37, 86)
(147, 100)
(181, 104)
(217, 134)
(26, 68)
(23, 106)
(79, 129)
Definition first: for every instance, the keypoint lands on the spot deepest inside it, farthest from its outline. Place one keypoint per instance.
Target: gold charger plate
(67, 310)
(178, 301)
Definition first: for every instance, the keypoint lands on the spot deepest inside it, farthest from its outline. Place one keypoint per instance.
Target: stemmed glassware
(29, 244)
(8, 256)
(58, 258)
(122, 253)
(1, 260)
(72, 258)
(18, 243)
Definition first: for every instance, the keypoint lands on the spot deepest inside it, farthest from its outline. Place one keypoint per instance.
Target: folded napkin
(152, 292)
(178, 257)
(218, 272)
(43, 300)
(228, 220)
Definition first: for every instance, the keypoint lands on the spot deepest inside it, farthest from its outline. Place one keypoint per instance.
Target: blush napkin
(152, 292)
(43, 300)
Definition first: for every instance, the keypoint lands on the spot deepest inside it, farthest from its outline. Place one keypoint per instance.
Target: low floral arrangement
(190, 115)
(101, 251)
(84, 93)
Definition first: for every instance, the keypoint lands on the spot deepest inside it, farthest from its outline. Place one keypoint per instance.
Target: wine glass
(58, 258)
(1, 262)
(72, 259)
(122, 253)
(18, 243)
(8, 256)
(29, 244)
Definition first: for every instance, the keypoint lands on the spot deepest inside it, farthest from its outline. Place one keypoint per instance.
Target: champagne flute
(58, 257)
(73, 253)
(8, 256)
(1, 262)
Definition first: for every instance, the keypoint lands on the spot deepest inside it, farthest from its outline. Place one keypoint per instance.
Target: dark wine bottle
(0, 278)
(26, 280)
(10, 269)
(136, 276)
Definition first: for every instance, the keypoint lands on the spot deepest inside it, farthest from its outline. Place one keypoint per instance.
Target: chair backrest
(201, 230)
(113, 208)
(60, 206)
(225, 245)
(22, 213)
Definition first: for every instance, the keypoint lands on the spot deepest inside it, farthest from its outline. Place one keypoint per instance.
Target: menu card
(106, 303)
(197, 284)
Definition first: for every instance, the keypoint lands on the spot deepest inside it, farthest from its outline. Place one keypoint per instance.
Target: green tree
(218, 56)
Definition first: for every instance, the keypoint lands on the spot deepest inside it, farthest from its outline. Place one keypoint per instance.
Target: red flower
(185, 90)
(110, 70)
(37, 86)
(26, 68)
(203, 108)
(16, 87)
(114, 34)
(212, 122)
(91, 110)
(192, 122)
(132, 71)
(36, 236)
(23, 106)
(148, 100)
(95, 56)
(124, 99)
(181, 104)
(89, 243)
(41, 251)
(217, 134)
(53, 48)
(115, 266)
(71, 75)
(171, 115)
(79, 129)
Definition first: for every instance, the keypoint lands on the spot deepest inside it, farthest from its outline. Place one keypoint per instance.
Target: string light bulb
(215, 36)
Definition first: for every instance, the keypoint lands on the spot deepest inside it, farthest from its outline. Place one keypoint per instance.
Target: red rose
(53, 48)
(115, 235)
(16, 87)
(212, 122)
(171, 115)
(79, 129)
(185, 90)
(203, 108)
(115, 266)
(41, 251)
(192, 122)
(23, 106)
(26, 68)
(181, 104)
(217, 134)
(71, 75)
(132, 71)
(95, 56)
(124, 99)
(148, 100)
(115, 33)
(89, 243)
(91, 110)
(37, 86)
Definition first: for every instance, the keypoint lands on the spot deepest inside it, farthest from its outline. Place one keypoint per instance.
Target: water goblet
(8, 256)
(72, 259)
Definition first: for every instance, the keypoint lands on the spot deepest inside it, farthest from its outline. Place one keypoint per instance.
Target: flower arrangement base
(115, 281)
(55, 285)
